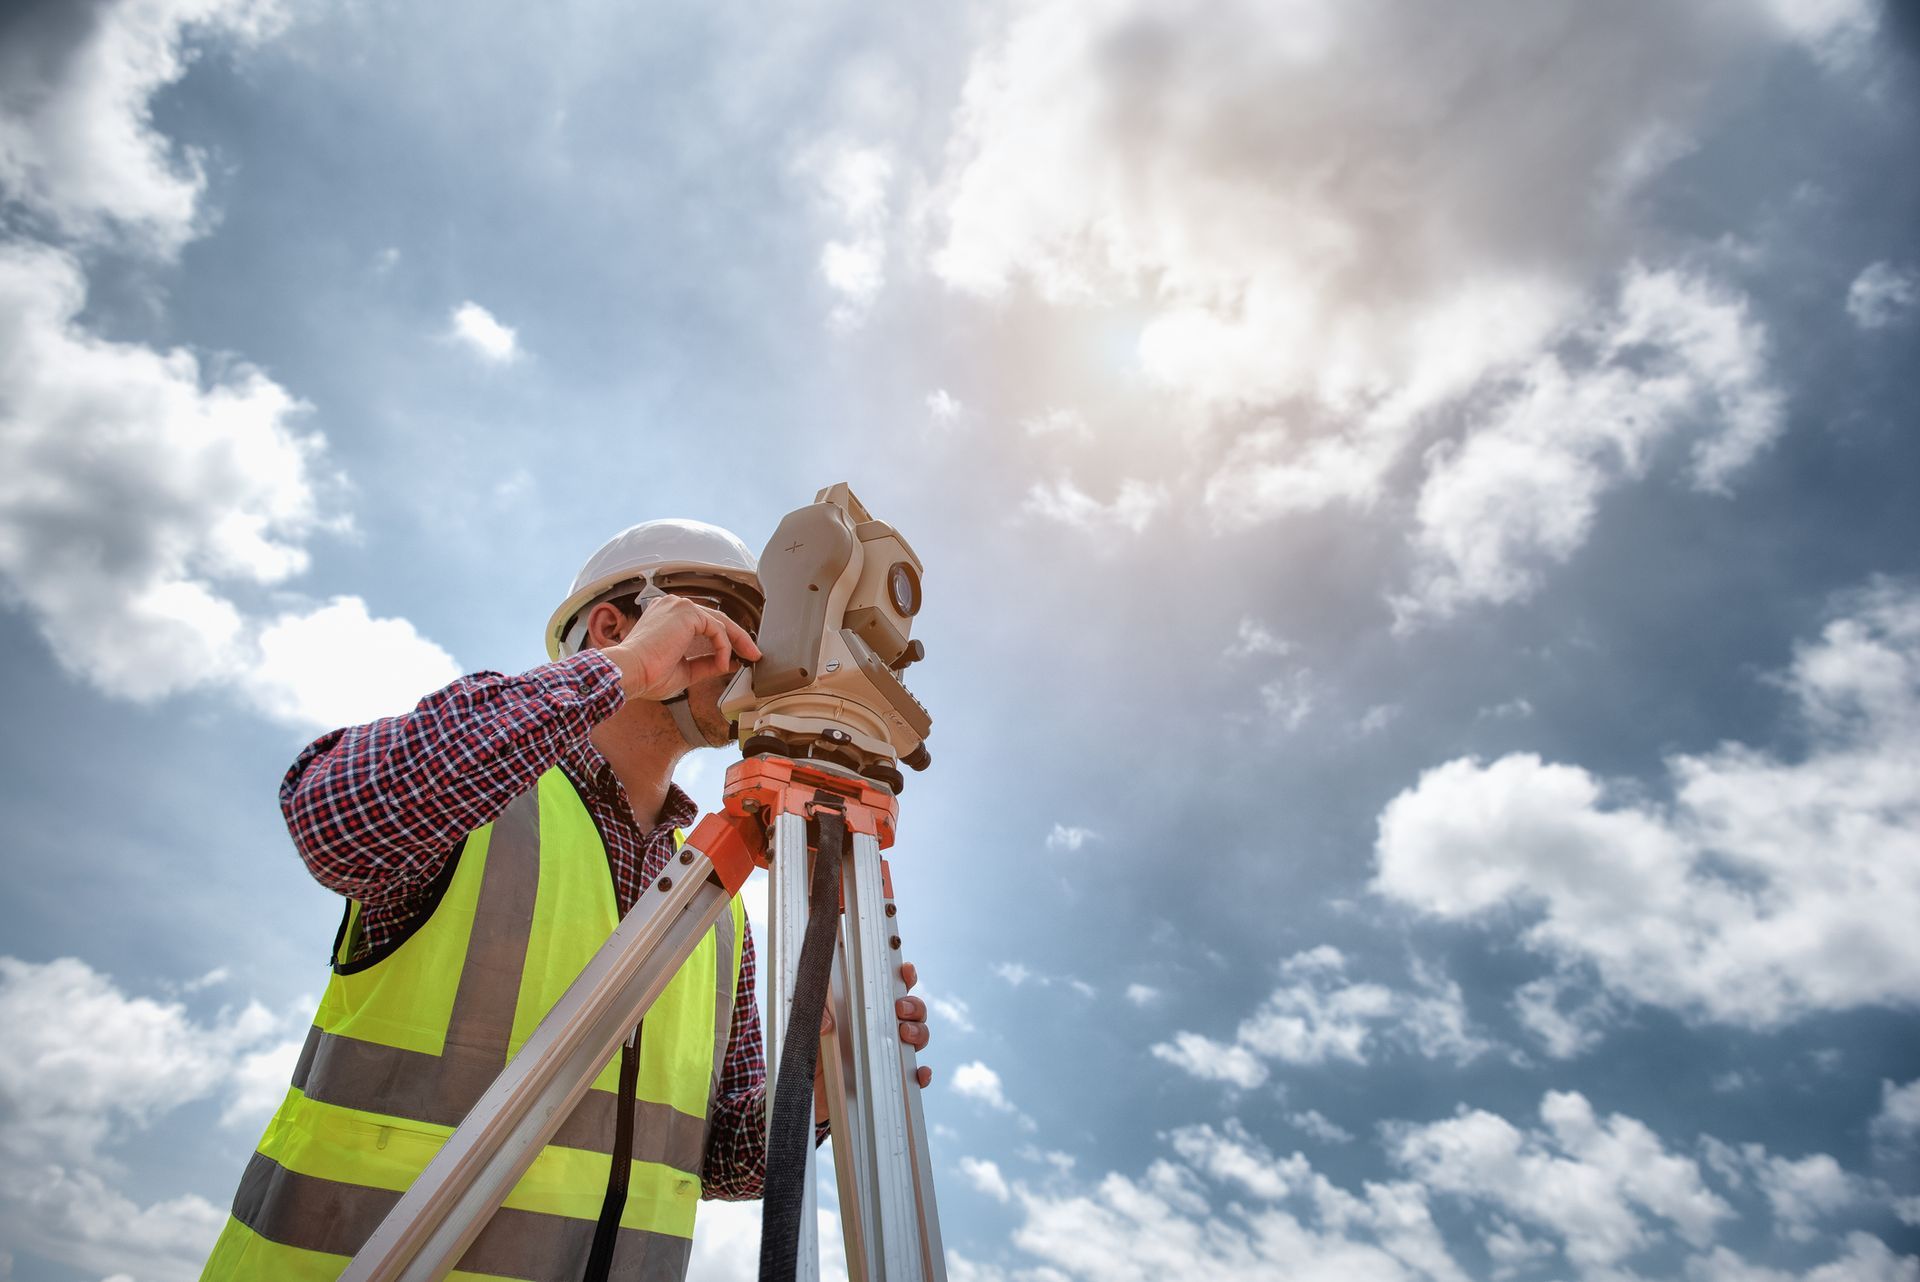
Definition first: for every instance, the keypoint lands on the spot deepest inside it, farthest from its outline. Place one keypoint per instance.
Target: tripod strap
(607, 1233)
(790, 1130)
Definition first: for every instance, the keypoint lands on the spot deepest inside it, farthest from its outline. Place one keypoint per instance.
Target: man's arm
(375, 809)
(736, 1165)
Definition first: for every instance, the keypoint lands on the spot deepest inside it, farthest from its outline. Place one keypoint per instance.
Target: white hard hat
(646, 555)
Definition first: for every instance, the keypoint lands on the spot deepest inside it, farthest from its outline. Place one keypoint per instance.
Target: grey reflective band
(372, 1078)
(316, 1214)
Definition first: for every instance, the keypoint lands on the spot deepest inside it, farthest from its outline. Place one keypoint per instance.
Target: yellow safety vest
(407, 1039)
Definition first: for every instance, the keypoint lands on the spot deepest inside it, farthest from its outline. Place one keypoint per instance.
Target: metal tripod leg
(442, 1212)
(787, 922)
(891, 1223)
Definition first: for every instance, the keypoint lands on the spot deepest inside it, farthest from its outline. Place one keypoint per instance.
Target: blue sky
(1423, 614)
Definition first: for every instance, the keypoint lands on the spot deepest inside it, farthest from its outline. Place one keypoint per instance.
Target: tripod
(884, 1175)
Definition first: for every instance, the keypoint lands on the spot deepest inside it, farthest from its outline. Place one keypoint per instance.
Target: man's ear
(606, 625)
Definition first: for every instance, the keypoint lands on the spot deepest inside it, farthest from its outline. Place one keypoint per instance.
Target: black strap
(790, 1130)
(606, 1234)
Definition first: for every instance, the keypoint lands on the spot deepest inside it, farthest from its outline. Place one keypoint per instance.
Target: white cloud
(336, 666)
(1601, 1186)
(1142, 994)
(83, 1063)
(1253, 639)
(943, 407)
(1131, 510)
(952, 1012)
(1522, 491)
(1070, 838)
(1317, 1015)
(1865, 1259)
(1015, 973)
(1290, 699)
(1187, 162)
(726, 1243)
(474, 327)
(143, 507)
(1767, 888)
(986, 1177)
(1212, 1061)
(1898, 1121)
(1058, 422)
(1564, 1031)
(1883, 295)
(1601, 1189)
(851, 181)
(975, 1081)
(77, 144)
(1316, 1124)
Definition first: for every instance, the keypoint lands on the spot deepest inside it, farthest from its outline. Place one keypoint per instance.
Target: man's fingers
(924, 1075)
(914, 1035)
(743, 644)
(909, 975)
(910, 1008)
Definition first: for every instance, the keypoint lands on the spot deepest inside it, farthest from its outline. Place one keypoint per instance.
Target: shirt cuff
(590, 678)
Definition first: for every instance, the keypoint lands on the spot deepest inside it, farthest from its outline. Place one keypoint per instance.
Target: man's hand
(675, 643)
(912, 1014)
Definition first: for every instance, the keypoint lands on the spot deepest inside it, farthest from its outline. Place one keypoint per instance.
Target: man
(488, 842)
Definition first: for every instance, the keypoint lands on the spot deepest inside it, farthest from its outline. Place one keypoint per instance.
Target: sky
(1422, 575)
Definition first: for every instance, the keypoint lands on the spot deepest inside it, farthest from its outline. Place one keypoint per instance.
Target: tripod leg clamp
(732, 844)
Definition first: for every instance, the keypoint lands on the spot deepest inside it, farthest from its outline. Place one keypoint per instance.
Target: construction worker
(488, 843)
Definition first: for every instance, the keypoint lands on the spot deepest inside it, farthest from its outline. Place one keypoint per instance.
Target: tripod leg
(446, 1207)
(787, 923)
(897, 1177)
(842, 1052)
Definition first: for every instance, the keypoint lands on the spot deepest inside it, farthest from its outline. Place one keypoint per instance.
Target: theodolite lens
(903, 585)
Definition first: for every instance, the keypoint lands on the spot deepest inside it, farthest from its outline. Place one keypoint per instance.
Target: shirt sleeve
(374, 810)
(736, 1168)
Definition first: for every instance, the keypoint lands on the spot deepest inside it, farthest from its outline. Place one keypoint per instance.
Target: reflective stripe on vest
(405, 1042)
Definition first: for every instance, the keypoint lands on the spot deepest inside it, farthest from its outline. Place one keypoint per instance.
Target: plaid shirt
(375, 809)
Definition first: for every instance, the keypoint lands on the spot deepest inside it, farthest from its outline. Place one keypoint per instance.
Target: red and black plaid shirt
(374, 811)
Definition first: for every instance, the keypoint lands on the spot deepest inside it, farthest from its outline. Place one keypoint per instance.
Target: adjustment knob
(914, 652)
(919, 758)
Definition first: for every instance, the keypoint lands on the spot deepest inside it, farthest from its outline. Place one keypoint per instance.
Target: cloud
(975, 1081)
(1865, 1259)
(1883, 295)
(1131, 510)
(143, 507)
(942, 406)
(1898, 1121)
(1058, 422)
(1602, 1190)
(78, 150)
(985, 1176)
(84, 1063)
(1522, 490)
(1068, 838)
(1484, 272)
(337, 666)
(1563, 1031)
(1290, 699)
(1316, 1124)
(475, 328)
(1766, 889)
(952, 1012)
(1318, 1016)
(851, 181)
(1605, 1187)
(1253, 639)
(1142, 994)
